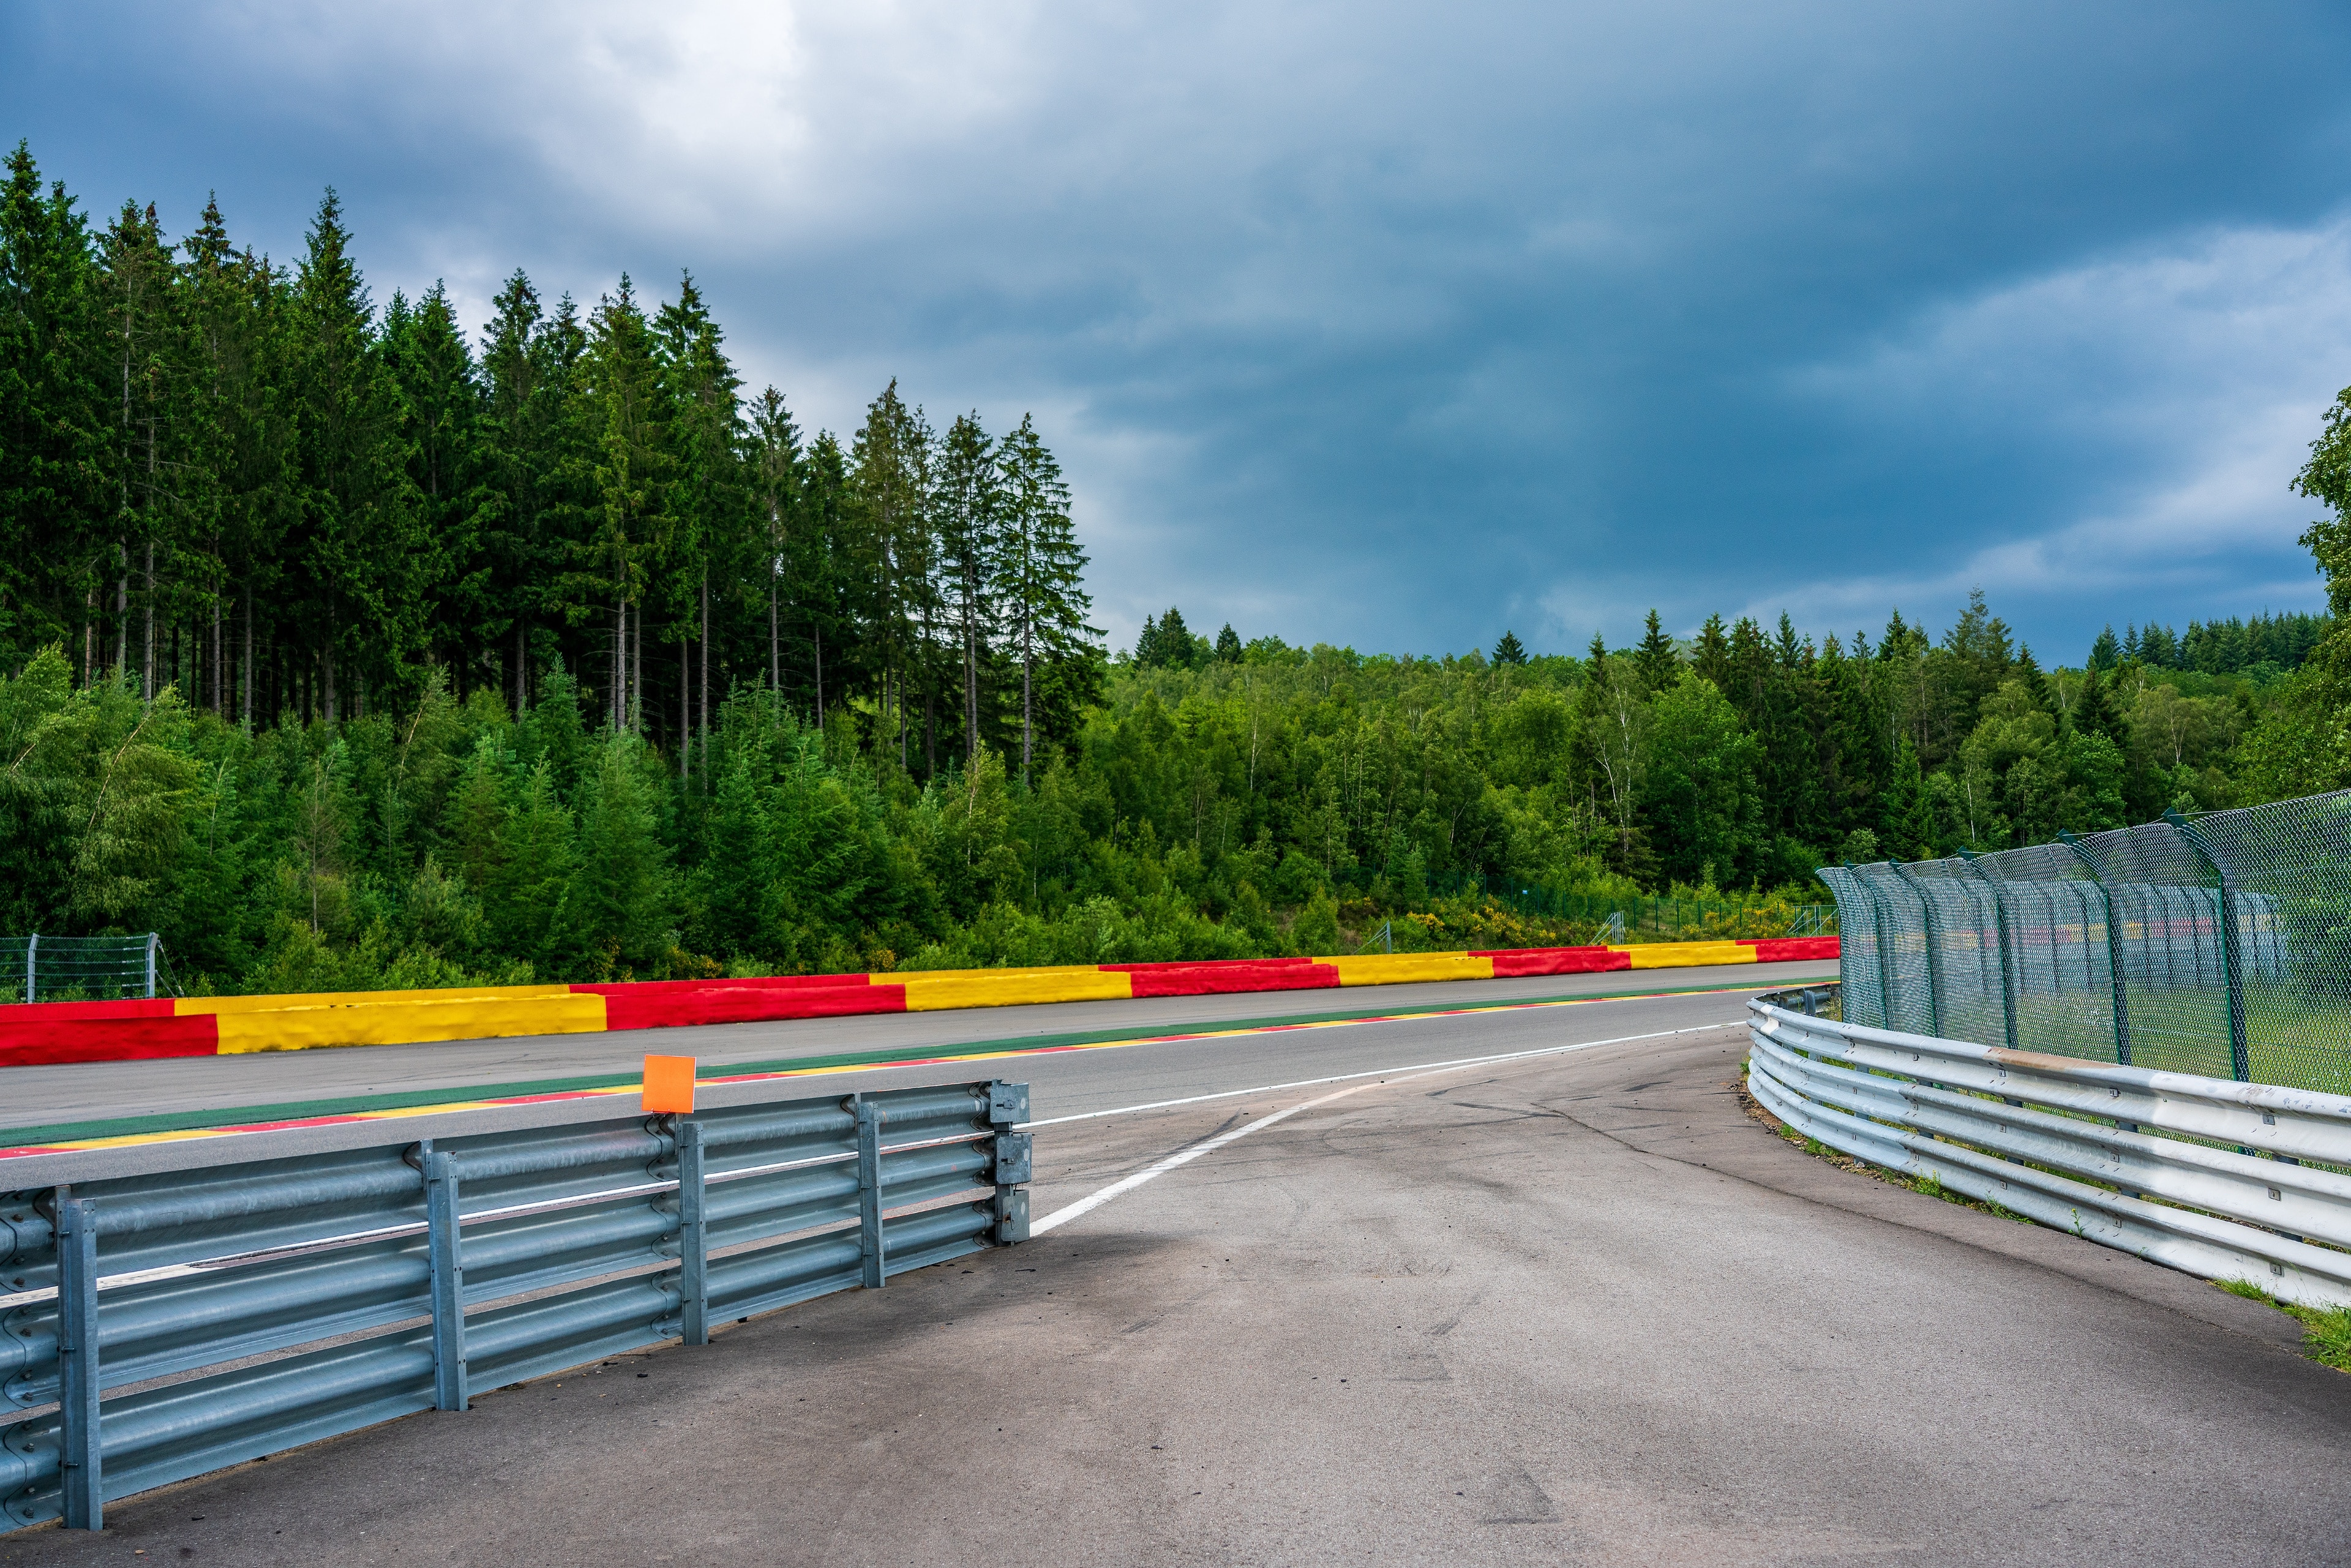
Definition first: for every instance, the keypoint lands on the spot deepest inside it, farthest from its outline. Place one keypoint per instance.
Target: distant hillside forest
(350, 648)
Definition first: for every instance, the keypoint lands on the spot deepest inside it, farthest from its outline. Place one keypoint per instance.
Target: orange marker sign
(669, 1083)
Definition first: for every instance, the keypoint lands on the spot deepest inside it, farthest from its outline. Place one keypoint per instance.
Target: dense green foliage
(346, 651)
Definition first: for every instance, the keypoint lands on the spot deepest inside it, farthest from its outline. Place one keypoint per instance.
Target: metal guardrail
(160, 1326)
(2204, 1175)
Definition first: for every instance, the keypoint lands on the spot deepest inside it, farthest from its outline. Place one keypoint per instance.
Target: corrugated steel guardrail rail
(2204, 1175)
(157, 1326)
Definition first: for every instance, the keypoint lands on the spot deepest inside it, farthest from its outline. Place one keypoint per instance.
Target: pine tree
(2106, 651)
(1228, 646)
(1040, 568)
(440, 412)
(1509, 651)
(1655, 657)
(778, 482)
(969, 505)
(710, 502)
(52, 431)
(355, 545)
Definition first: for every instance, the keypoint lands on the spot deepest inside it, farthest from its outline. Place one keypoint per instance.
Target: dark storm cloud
(1393, 328)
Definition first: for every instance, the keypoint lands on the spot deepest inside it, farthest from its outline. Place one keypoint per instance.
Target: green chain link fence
(2220, 946)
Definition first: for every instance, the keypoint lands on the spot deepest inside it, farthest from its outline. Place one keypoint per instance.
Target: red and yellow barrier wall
(50, 1033)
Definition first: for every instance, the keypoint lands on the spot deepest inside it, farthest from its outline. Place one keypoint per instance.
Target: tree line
(345, 648)
(245, 482)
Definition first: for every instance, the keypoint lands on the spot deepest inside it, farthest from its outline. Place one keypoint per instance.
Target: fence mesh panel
(1902, 956)
(1863, 992)
(1963, 951)
(2220, 946)
(2288, 881)
(2166, 896)
(2060, 951)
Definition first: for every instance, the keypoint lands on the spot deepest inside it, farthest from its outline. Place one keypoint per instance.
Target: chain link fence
(83, 969)
(2220, 946)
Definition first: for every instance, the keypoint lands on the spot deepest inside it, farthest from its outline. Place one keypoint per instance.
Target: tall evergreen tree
(1040, 570)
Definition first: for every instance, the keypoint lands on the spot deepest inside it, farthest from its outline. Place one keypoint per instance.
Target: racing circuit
(1499, 1272)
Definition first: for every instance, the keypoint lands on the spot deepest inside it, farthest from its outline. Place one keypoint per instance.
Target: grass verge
(2325, 1331)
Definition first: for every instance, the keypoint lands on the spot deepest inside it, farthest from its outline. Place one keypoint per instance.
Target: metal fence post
(2008, 967)
(2114, 950)
(2239, 1061)
(693, 1234)
(448, 1277)
(868, 1190)
(1934, 943)
(32, 947)
(84, 1486)
(1008, 1106)
(153, 939)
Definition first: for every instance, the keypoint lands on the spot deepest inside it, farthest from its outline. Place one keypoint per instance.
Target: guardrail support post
(1007, 1107)
(152, 940)
(32, 948)
(448, 1276)
(84, 1486)
(2239, 1061)
(692, 1236)
(869, 1191)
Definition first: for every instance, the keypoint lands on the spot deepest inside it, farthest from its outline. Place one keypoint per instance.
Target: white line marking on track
(1094, 1200)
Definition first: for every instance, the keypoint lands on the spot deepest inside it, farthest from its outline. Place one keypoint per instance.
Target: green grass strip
(301, 1110)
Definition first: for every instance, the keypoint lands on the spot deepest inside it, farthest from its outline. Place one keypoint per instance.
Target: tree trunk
(1027, 663)
(704, 725)
(248, 671)
(121, 611)
(147, 631)
(327, 669)
(775, 642)
(521, 667)
(685, 711)
(637, 670)
(615, 701)
(820, 675)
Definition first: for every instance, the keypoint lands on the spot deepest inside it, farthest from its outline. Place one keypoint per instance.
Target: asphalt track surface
(1572, 1307)
(112, 1090)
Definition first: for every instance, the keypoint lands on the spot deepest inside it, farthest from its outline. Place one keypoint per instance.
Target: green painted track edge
(298, 1110)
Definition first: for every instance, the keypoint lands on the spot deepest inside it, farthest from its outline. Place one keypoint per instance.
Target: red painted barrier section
(1203, 964)
(12, 1014)
(1511, 962)
(1217, 979)
(690, 987)
(626, 1007)
(1787, 950)
(57, 1039)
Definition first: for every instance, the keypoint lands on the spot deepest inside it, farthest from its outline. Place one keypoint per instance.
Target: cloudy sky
(1384, 325)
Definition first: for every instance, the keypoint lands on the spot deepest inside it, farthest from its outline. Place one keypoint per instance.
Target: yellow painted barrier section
(186, 1006)
(309, 1026)
(1395, 968)
(1002, 989)
(903, 976)
(1685, 955)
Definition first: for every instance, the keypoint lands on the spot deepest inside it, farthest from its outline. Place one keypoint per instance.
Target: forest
(349, 647)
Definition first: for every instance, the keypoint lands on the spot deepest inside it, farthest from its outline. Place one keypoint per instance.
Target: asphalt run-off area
(1516, 1279)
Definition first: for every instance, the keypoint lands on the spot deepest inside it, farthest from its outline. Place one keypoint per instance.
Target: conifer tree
(1509, 651)
(970, 507)
(1228, 646)
(1039, 569)
(1655, 655)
